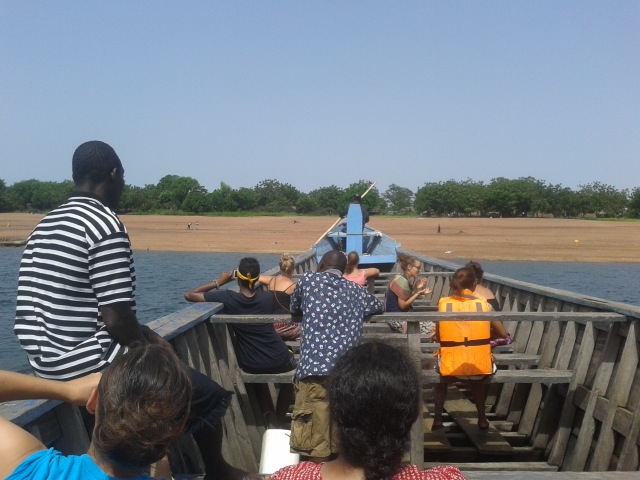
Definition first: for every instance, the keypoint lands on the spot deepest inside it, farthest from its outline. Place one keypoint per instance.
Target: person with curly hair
(374, 400)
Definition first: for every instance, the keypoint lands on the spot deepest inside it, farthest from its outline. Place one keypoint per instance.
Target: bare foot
(483, 425)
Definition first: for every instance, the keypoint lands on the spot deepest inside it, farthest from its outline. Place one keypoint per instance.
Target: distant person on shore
(141, 404)
(374, 400)
(75, 310)
(404, 290)
(259, 348)
(282, 286)
(499, 334)
(358, 275)
(465, 352)
(333, 310)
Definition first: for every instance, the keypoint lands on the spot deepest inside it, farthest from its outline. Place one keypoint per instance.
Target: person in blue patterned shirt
(333, 310)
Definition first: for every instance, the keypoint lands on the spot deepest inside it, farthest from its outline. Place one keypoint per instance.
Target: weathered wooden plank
(560, 443)
(624, 375)
(416, 452)
(446, 316)
(24, 412)
(236, 428)
(178, 322)
(509, 468)
(535, 397)
(579, 455)
(533, 475)
(464, 413)
(434, 441)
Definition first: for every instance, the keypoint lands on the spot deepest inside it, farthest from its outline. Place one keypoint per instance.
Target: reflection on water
(163, 277)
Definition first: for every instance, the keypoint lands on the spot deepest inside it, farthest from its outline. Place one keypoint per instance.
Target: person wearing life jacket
(465, 352)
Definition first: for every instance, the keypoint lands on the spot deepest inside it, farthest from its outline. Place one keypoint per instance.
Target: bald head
(333, 259)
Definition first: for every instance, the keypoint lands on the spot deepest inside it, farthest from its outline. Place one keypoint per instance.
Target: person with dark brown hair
(141, 405)
(358, 275)
(465, 351)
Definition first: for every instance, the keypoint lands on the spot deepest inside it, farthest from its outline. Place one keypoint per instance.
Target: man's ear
(92, 403)
(114, 174)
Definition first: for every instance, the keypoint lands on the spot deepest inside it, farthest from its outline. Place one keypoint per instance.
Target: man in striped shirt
(75, 307)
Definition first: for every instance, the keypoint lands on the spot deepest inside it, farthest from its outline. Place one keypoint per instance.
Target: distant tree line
(501, 197)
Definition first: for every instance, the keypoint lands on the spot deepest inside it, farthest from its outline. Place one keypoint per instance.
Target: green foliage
(602, 200)
(525, 196)
(399, 199)
(172, 190)
(634, 204)
(34, 195)
(273, 196)
(373, 202)
(326, 200)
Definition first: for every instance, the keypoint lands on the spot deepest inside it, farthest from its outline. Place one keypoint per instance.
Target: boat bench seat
(527, 375)
(286, 377)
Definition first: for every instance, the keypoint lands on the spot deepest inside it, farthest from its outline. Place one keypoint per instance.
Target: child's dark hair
(374, 399)
(143, 404)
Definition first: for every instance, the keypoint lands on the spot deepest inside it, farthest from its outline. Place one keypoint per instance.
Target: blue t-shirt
(51, 464)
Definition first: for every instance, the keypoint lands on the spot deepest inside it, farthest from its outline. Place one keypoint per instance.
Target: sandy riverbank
(464, 238)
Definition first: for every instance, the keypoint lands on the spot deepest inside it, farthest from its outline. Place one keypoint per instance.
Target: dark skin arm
(122, 324)
(197, 294)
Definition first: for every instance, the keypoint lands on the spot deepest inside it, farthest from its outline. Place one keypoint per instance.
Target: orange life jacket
(464, 345)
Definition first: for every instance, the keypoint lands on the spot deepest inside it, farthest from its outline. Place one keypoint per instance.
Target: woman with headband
(258, 347)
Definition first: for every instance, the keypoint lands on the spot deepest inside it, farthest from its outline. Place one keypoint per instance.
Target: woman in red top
(374, 400)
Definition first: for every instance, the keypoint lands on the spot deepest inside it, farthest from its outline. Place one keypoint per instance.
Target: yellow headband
(247, 278)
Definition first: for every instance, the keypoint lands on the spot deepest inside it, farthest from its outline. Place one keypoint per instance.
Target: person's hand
(424, 291)
(79, 390)
(225, 277)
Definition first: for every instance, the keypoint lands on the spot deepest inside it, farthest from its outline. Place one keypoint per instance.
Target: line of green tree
(503, 197)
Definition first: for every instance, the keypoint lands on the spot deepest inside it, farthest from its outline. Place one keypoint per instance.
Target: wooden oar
(368, 190)
(328, 230)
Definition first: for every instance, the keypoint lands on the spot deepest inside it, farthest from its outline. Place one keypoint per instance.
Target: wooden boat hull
(567, 400)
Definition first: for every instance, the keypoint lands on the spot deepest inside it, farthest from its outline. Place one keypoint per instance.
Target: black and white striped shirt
(77, 259)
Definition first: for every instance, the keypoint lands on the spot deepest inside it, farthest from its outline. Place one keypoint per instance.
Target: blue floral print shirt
(333, 309)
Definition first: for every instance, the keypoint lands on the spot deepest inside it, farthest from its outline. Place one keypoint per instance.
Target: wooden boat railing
(589, 422)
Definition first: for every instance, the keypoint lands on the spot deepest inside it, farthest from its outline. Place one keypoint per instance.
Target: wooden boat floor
(463, 412)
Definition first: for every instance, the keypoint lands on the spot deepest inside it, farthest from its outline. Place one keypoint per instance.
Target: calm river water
(163, 277)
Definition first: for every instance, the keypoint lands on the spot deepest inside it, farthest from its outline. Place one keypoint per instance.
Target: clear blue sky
(315, 93)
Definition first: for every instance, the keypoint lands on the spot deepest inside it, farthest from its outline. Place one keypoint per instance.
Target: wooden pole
(368, 190)
(328, 230)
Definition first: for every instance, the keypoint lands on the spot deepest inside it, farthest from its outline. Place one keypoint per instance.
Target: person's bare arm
(17, 444)
(266, 280)
(17, 386)
(371, 272)
(122, 324)
(197, 294)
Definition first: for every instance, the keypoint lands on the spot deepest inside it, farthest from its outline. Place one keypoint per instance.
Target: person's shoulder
(300, 471)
